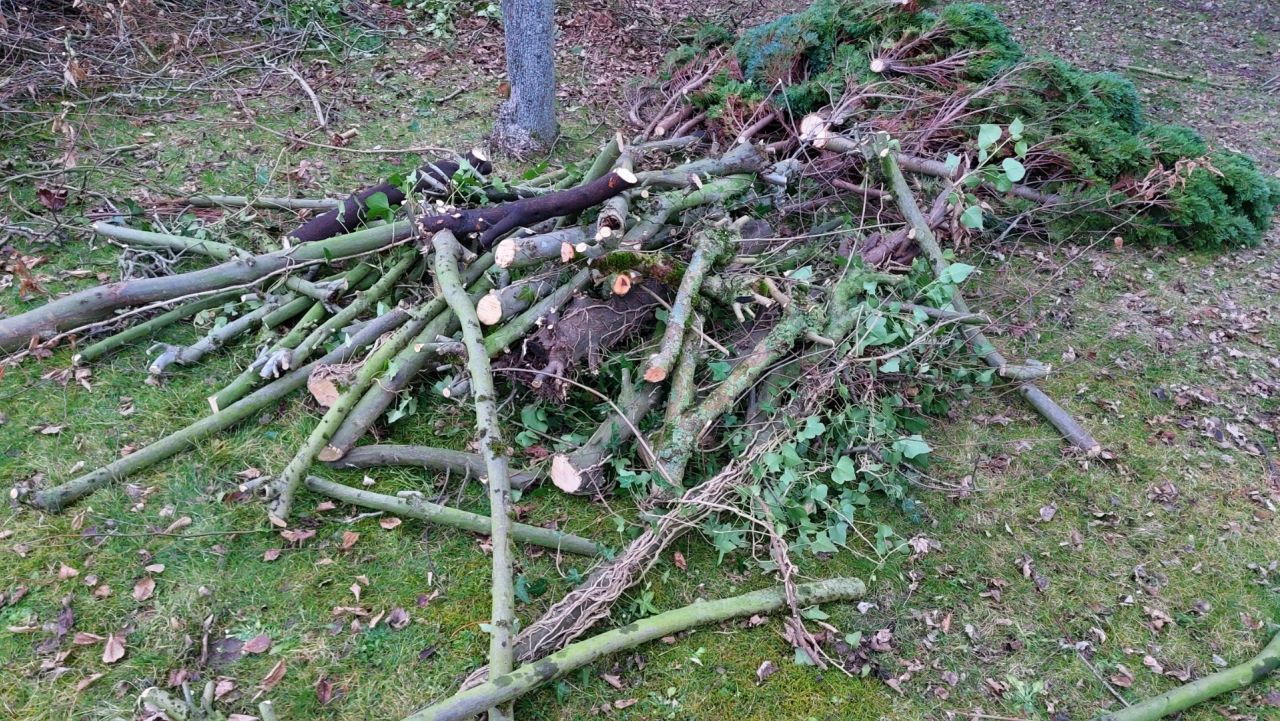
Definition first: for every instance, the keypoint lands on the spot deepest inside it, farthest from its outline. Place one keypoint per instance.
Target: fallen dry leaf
(349, 539)
(273, 676)
(257, 644)
(114, 649)
(66, 572)
(389, 522)
(143, 589)
(85, 682)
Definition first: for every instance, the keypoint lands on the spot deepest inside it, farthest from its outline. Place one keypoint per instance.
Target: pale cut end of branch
(324, 390)
(879, 66)
(567, 252)
(621, 284)
(811, 125)
(328, 454)
(504, 254)
(489, 309)
(213, 403)
(655, 374)
(480, 154)
(626, 175)
(564, 475)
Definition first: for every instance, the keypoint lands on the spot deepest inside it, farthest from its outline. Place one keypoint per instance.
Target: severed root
(585, 329)
(414, 506)
(510, 686)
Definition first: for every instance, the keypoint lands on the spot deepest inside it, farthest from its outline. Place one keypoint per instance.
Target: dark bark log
(495, 222)
(352, 211)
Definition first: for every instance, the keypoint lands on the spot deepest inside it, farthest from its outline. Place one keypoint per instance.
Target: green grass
(1199, 555)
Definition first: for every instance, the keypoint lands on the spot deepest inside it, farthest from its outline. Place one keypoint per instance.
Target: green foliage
(1090, 122)
(436, 17)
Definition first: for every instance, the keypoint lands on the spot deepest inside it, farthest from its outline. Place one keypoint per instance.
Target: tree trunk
(527, 120)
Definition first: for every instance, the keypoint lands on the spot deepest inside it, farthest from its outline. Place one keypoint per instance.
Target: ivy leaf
(891, 366)
(1013, 169)
(533, 416)
(988, 134)
(1020, 148)
(812, 429)
(911, 446)
(844, 471)
(952, 163)
(971, 218)
(956, 273)
(377, 206)
(1015, 129)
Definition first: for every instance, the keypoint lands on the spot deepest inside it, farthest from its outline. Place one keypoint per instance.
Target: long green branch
(503, 616)
(510, 686)
(423, 510)
(1186, 696)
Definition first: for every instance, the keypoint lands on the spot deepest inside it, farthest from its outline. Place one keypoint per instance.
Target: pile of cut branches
(756, 304)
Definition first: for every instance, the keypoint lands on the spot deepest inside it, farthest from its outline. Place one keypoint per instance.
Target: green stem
(149, 328)
(59, 497)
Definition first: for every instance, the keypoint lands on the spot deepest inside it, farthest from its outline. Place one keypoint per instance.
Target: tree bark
(526, 122)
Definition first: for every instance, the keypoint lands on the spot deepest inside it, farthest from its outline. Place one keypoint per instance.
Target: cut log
(582, 472)
(500, 305)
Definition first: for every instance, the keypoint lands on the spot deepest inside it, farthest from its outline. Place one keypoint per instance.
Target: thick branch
(502, 619)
